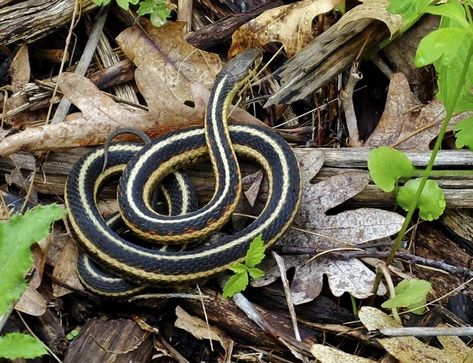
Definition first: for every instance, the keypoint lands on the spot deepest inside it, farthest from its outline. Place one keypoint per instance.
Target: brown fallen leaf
(289, 24)
(410, 349)
(173, 77)
(345, 229)
(406, 123)
(31, 302)
(65, 269)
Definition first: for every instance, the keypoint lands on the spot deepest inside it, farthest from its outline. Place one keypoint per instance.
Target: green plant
(410, 294)
(239, 281)
(449, 49)
(158, 10)
(16, 237)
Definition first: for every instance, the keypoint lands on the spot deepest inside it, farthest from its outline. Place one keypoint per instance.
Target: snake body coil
(147, 166)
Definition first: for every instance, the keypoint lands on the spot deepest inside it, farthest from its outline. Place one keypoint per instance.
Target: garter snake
(146, 166)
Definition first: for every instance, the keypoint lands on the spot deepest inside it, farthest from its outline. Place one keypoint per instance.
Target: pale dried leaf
(252, 192)
(290, 25)
(411, 349)
(326, 354)
(373, 9)
(324, 232)
(20, 70)
(199, 329)
(310, 163)
(65, 269)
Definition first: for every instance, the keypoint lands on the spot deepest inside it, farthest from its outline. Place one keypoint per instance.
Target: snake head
(243, 66)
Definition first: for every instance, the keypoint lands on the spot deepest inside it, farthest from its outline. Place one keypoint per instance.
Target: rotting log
(104, 340)
(27, 21)
(458, 189)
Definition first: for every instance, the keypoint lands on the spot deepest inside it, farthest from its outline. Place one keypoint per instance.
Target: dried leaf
(65, 269)
(411, 349)
(373, 9)
(346, 229)
(31, 302)
(199, 329)
(405, 123)
(170, 72)
(326, 354)
(290, 24)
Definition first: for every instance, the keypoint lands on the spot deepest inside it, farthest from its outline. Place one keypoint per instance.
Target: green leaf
(17, 345)
(102, 2)
(443, 45)
(255, 253)
(234, 284)
(255, 272)
(125, 4)
(464, 133)
(410, 294)
(16, 236)
(453, 10)
(158, 10)
(431, 202)
(238, 268)
(409, 10)
(387, 165)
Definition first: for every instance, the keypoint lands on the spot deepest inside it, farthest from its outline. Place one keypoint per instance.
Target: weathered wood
(328, 55)
(458, 189)
(224, 314)
(113, 341)
(30, 20)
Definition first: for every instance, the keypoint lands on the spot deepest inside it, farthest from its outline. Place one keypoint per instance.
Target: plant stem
(444, 172)
(412, 207)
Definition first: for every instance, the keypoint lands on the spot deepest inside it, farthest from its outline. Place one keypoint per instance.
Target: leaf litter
(318, 231)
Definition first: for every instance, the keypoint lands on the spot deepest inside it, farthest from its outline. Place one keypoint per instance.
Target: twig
(287, 292)
(422, 332)
(63, 62)
(381, 266)
(84, 62)
(281, 337)
(346, 96)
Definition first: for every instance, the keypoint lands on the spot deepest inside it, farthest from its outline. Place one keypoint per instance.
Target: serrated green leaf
(410, 294)
(16, 236)
(17, 345)
(431, 202)
(238, 268)
(387, 165)
(255, 253)
(464, 133)
(255, 273)
(236, 283)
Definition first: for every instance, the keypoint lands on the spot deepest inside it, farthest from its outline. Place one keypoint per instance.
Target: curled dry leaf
(373, 9)
(31, 302)
(199, 329)
(410, 349)
(173, 77)
(406, 123)
(290, 25)
(324, 232)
